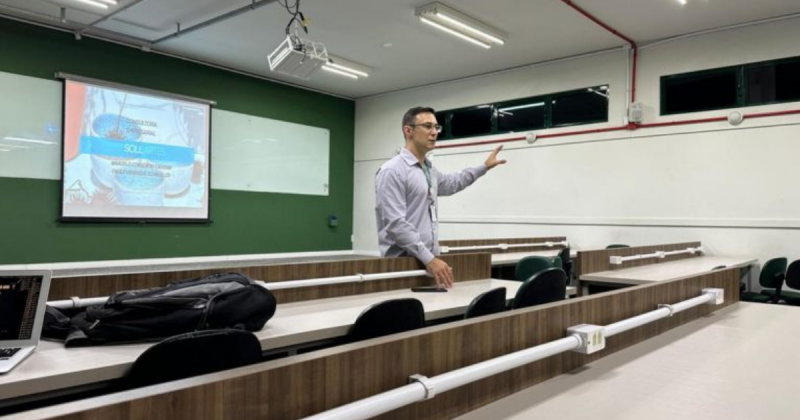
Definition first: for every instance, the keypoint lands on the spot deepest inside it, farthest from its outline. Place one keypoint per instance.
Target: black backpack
(224, 300)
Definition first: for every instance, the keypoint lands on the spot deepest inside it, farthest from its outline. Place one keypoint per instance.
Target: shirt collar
(410, 159)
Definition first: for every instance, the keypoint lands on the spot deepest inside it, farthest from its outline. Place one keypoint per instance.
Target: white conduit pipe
(419, 391)
(446, 249)
(76, 302)
(338, 280)
(616, 260)
(664, 312)
(427, 388)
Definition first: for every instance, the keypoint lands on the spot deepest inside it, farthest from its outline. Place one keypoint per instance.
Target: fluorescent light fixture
(460, 25)
(455, 33)
(470, 29)
(339, 72)
(512, 108)
(348, 66)
(682, 2)
(24, 140)
(93, 3)
(111, 2)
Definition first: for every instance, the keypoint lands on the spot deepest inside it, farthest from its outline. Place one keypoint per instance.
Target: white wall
(730, 187)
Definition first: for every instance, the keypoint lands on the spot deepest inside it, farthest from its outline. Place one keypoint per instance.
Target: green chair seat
(755, 297)
(792, 298)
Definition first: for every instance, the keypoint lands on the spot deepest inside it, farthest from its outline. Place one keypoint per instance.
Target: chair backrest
(531, 265)
(389, 317)
(192, 354)
(772, 273)
(613, 246)
(566, 263)
(793, 275)
(487, 303)
(547, 286)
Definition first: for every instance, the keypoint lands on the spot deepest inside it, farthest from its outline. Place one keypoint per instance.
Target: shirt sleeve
(390, 193)
(450, 184)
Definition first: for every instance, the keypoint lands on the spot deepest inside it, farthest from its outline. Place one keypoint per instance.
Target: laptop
(23, 299)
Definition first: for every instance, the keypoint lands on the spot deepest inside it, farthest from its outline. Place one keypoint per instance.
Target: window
(773, 83)
(442, 119)
(470, 122)
(700, 91)
(584, 107)
(761, 83)
(521, 116)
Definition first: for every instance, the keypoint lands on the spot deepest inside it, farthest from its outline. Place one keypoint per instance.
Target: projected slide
(133, 156)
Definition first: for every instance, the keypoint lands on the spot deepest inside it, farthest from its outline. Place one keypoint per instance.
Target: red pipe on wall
(618, 34)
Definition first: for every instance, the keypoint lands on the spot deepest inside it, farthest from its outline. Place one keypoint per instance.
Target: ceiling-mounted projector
(298, 57)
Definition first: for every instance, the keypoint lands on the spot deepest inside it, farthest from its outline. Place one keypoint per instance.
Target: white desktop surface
(52, 366)
(735, 364)
(672, 270)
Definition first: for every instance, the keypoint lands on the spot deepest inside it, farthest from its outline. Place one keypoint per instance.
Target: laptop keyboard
(7, 353)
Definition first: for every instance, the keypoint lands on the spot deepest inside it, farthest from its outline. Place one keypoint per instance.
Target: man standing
(407, 188)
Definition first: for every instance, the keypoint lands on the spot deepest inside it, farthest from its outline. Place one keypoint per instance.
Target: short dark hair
(410, 116)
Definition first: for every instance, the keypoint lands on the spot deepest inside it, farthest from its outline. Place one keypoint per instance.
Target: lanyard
(427, 173)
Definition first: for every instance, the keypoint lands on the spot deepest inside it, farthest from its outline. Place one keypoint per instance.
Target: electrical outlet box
(593, 337)
(719, 295)
(333, 221)
(636, 113)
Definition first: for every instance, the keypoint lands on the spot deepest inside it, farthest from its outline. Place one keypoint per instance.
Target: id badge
(433, 213)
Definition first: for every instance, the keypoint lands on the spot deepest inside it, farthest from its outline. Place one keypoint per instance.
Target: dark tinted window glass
(441, 118)
(690, 93)
(580, 107)
(520, 116)
(773, 83)
(471, 122)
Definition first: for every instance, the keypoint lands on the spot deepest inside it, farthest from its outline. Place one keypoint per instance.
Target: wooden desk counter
(52, 367)
(672, 270)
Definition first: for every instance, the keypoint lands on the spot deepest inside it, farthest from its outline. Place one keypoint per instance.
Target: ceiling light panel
(461, 25)
(348, 66)
(95, 3)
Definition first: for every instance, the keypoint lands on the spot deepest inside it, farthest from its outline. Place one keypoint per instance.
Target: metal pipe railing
(76, 302)
(423, 388)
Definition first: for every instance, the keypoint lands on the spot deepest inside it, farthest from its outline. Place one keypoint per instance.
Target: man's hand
(441, 272)
(492, 160)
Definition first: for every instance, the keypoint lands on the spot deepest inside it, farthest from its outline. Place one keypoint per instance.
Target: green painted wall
(243, 222)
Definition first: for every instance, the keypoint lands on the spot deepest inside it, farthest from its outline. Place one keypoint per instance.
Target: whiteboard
(30, 127)
(251, 153)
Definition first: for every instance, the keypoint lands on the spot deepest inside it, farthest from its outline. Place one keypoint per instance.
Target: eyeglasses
(428, 126)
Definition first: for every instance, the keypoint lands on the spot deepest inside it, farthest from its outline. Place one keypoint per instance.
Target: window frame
(447, 132)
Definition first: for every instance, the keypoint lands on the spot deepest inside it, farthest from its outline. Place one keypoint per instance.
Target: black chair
(487, 303)
(389, 317)
(192, 354)
(547, 286)
(533, 264)
(566, 263)
(793, 282)
(771, 280)
(615, 246)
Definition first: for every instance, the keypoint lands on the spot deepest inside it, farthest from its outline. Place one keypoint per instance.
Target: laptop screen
(19, 297)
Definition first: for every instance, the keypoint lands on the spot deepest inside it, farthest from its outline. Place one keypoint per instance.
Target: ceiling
(358, 30)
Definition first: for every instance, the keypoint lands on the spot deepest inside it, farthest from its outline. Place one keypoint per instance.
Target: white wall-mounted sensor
(735, 118)
(530, 138)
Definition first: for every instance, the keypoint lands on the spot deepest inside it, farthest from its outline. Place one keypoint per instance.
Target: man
(407, 188)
